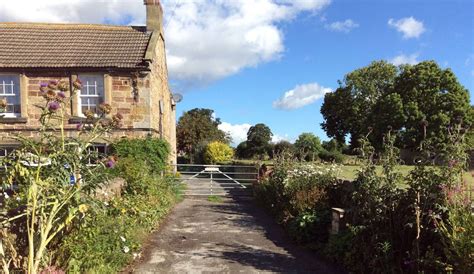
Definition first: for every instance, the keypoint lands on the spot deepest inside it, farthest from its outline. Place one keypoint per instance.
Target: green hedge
(151, 151)
(110, 233)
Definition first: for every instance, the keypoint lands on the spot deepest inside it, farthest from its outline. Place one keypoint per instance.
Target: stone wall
(164, 108)
(139, 106)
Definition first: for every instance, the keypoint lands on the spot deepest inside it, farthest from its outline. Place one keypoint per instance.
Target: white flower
(126, 249)
(106, 203)
(18, 198)
(136, 255)
(122, 238)
(6, 195)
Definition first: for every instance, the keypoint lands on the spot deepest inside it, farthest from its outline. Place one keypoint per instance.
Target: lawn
(349, 172)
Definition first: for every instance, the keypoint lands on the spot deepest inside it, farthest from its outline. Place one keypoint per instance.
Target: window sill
(13, 120)
(83, 120)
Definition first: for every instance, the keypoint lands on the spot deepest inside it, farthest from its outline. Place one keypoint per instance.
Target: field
(349, 172)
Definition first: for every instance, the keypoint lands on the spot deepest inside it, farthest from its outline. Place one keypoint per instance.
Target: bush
(297, 195)
(49, 179)
(153, 152)
(331, 156)
(218, 152)
(110, 234)
(422, 223)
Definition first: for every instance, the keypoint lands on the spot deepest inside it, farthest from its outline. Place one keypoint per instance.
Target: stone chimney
(154, 15)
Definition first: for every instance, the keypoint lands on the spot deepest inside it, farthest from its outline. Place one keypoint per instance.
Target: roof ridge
(34, 25)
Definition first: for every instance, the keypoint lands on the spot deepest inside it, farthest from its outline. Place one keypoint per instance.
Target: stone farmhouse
(124, 66)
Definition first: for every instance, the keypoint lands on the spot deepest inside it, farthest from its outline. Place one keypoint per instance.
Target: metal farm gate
(220, 180)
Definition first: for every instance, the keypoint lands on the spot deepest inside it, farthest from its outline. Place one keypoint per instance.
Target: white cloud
(277, 138)
(300, 96)
(405, 59)
(209, 40)
(469, 60)
(342, 26)
(206, 40)
(409, 26)
(237, 132)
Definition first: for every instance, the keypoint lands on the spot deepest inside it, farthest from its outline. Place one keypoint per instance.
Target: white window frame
(4, 152)
(86, 85)
(95, 147)
(7, 95)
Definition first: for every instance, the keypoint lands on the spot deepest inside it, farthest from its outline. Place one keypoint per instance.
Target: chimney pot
(151, 2)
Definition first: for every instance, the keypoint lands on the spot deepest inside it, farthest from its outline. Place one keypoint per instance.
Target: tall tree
(198, 126)
(382, 97)
(308, 146)
(283, 147)
(258, 139)
(435, 97)
(347, 111)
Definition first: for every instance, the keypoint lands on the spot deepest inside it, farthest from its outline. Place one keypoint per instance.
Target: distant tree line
(419, 103)
(199, 140)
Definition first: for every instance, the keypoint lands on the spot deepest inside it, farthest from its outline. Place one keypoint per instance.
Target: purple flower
(110, 164)
(61, 95)
(79, 127)
(43, 85)
(53, 106)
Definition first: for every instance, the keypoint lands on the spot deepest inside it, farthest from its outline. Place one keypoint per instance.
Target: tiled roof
(31, 45)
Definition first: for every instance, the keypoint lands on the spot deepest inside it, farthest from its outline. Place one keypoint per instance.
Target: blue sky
(314, 53)
(241, 57)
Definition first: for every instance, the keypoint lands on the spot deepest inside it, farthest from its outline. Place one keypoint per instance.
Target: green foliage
(214, 199)
(282, 147)
(331, 156)
(198, 126)
(297, 195)
(258, 139)
(152, 152)
(307, 147)
(381, 95)
(334, 145)
(49, 180)
(139, 161)
(415, 229)
(457, 231)
(242, 151)
(393, 223)
(349, 108)
(218, 152)
(110, 234)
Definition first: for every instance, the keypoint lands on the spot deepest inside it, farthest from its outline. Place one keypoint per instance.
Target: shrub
(331, 156)
(218, 152)
(110, 235)
(296, 193)
(153, 152)
(422, 223)
(49, 180)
